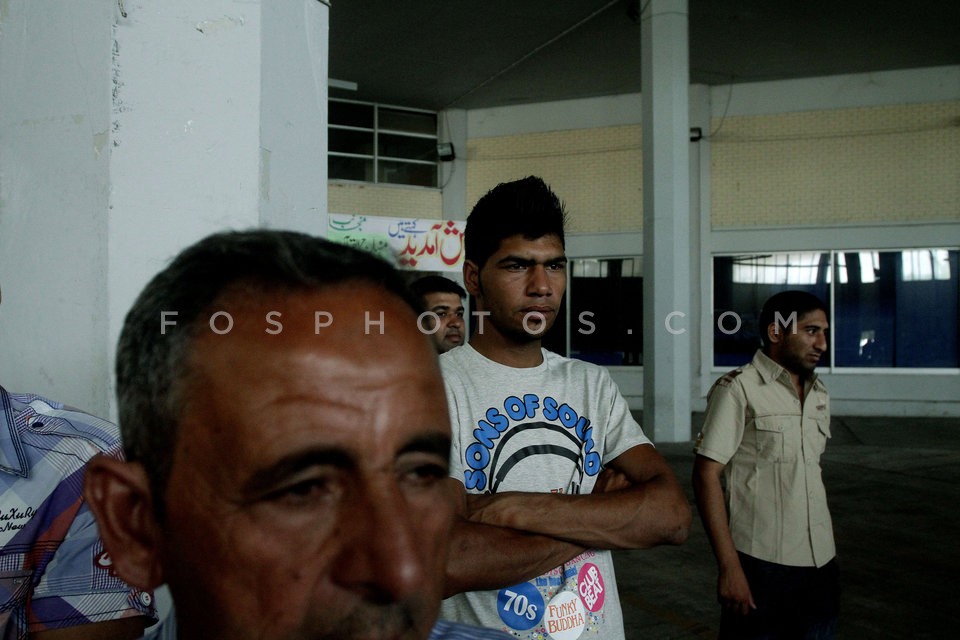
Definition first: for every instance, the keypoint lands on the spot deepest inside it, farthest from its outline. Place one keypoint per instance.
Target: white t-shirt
(549, 428)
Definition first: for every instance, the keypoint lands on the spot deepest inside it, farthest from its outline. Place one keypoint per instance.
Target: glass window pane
(394, 146)
(348, 141)
(359, 129)
(350, 114)
(411, 121)
(424, 175)
(898, 309)
(606, 312)
(340, 168)
(741, 284)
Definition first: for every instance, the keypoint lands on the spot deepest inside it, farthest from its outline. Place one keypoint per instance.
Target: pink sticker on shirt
(590, 586)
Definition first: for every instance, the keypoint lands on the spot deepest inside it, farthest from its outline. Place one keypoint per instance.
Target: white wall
(126, 138)
(293, 115)
(832, 92)
(54, 187)
(912, 86)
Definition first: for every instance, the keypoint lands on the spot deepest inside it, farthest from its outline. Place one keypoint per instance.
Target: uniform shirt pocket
(775, 439)
(769, 438)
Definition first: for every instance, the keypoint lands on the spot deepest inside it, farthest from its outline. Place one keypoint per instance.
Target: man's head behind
(525, 207)
(436, 284)
(442, 299)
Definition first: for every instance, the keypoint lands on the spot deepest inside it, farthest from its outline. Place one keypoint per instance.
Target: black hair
(435, 284)
(785, 309)
(526, 207)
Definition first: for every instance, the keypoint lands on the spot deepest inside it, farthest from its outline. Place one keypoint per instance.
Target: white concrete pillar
(128, 131)
(453, 174)
(220, 122)
(293, 114)
(666, 220)
(55, 123)
(701, 322)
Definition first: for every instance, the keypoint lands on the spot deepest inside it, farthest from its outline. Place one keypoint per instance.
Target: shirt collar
(770, 371)
(12, 459)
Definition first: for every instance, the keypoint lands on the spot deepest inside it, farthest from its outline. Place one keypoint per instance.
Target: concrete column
(55, 123)
(666, 220)
(152, 124)
(701, 320)
(453, 174)
(293, 114)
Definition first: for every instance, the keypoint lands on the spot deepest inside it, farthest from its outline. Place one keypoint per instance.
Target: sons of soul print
(528, 443)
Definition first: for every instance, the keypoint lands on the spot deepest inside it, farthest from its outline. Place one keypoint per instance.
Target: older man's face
(306, 494)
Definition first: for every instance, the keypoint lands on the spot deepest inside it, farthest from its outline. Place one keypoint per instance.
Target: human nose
(539, 281)
(821, 341)
(379, 556)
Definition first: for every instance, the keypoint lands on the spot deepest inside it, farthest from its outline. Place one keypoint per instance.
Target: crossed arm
(510, 537)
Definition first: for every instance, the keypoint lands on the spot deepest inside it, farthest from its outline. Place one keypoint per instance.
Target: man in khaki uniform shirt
(766, 425)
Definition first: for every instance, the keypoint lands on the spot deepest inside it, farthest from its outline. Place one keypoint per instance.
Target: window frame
(832, 281)
(571, 296)
(376, 156)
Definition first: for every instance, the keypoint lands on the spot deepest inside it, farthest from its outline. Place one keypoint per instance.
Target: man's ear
(119, 495)
(775, 334)
(471, 277)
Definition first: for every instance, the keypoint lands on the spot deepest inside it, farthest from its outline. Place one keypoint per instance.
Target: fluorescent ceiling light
(333, 83)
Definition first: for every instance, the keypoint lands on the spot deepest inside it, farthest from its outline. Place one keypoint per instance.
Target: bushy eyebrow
(434, 444)
(527, 262)
(268, 478)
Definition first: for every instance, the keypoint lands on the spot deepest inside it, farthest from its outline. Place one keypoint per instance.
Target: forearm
(713, 514)
(489, 557)
(733, 588)
(639, 517)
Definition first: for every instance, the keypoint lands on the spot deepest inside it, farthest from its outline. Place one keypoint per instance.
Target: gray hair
(152, 365)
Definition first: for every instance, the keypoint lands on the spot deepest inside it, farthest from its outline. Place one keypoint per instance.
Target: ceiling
(439, 54)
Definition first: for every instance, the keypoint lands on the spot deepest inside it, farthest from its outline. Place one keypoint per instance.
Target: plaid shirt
(54, 572)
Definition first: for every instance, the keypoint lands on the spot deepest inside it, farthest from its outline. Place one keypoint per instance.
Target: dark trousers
(795, 603)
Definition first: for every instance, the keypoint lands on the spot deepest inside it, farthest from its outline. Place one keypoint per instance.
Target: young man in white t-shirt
(551, 469)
